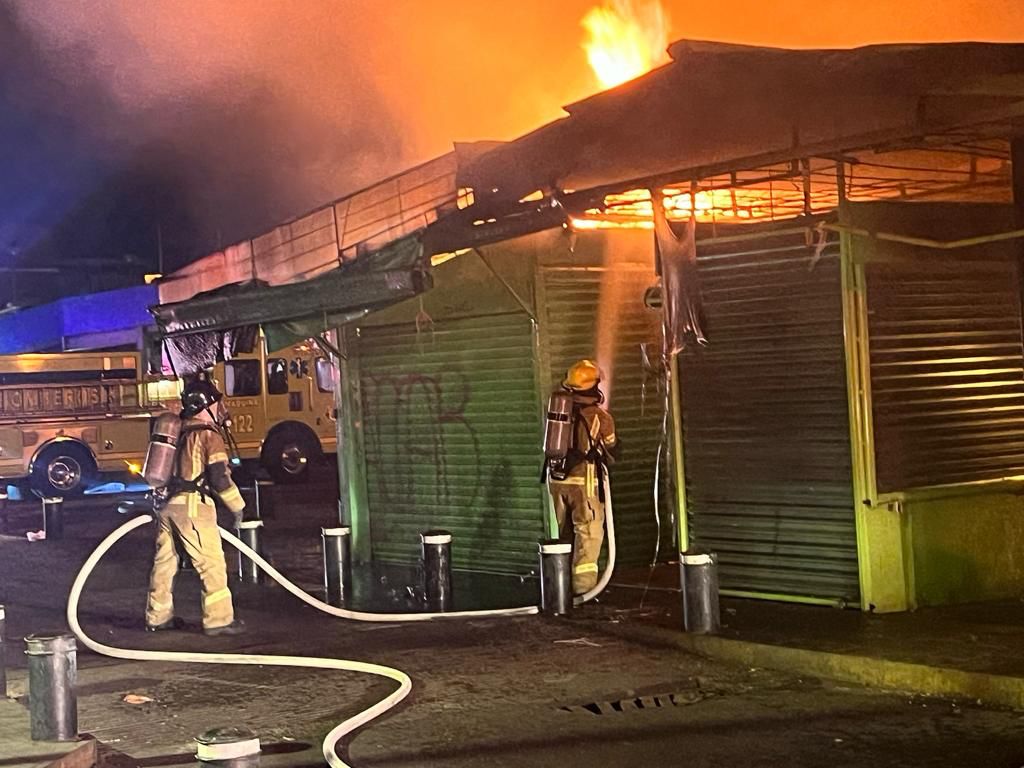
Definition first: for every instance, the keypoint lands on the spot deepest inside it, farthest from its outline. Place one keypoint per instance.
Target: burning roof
(719, 107)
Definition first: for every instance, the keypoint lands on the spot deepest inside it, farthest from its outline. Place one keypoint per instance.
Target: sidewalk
(969, 651)
(17, 750)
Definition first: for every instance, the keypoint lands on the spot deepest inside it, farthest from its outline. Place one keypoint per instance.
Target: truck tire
(287, 455)
(64, 468)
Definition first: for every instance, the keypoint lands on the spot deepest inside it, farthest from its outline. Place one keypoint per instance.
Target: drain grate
(658, 701)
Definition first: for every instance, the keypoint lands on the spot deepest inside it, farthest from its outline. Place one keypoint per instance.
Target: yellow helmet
(582, 375)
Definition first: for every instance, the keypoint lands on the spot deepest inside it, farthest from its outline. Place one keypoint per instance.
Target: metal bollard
(52, 677)
(437, 569)
(228, 748)
(3, 658)
(555, 577)
(698, 576)
(337, 564)
(53, 518)
(249, 533)
(264, 501)
(3, 510)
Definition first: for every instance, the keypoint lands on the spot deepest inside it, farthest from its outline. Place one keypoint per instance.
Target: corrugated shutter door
(573, 330)
(947, 362)
(452, 440)
(766, 421)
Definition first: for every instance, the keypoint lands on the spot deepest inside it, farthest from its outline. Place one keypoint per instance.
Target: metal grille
(452, 440)
(575, 312)
(765, 416)
(947, 369)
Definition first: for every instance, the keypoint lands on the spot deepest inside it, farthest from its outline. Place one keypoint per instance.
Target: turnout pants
(195, 525)
(577, 504)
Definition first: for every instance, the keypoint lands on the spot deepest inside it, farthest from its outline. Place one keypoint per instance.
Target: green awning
(197, 327)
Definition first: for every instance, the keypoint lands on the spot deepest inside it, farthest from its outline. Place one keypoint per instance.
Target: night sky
(214, 121)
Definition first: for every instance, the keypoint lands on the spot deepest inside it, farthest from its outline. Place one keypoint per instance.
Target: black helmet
(198, 396)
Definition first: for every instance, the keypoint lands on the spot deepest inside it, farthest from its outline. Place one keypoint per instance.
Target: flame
(625, 39)
(134, 468)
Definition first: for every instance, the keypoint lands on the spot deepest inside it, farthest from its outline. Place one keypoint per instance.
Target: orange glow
(133, 467)
(625, 39)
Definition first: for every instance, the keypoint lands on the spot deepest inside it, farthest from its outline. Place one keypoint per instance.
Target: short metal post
(3, 510)
(53, 518)
(337, 564)
(228, 748)
(3, 657)
(52, 677)
(249, 533)
(264, 501)
(555, 577)
(437, 569)
(698, 575)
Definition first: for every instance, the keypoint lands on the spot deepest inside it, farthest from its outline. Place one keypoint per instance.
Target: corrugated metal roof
(720, 106)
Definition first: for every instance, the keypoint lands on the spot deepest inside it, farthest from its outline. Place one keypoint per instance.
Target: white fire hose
(356, 721)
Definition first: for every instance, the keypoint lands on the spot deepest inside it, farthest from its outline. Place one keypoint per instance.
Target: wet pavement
(527, 691)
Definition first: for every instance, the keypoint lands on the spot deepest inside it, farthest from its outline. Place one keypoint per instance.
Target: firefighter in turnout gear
(575, 479)
(200, 473)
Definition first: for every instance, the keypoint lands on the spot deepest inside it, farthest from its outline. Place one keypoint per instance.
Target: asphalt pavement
(531, 691)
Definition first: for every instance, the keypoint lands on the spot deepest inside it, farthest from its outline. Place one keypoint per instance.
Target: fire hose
(350, 724)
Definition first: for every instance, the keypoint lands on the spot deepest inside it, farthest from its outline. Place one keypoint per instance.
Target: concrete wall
(967, 548)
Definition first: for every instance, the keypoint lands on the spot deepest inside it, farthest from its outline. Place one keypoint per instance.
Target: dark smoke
(114, 127)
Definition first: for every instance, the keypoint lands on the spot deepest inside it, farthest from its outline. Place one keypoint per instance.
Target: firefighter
(190, 516)
(577, 490)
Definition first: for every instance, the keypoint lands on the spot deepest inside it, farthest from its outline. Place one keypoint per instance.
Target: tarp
(211, 326)
(717, 106)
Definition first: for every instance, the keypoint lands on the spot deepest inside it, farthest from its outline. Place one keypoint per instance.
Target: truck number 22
(243, 423)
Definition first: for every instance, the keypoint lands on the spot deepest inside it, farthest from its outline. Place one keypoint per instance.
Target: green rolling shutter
(452, 439)
(947, 362)
(765, 415)
(574, 315)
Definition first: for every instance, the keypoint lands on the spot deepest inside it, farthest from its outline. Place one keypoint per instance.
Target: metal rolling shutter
(572, 322)
(947, 363)
(766, 421)
(452, 440)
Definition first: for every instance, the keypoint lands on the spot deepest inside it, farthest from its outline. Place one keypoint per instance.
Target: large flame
(625, 39)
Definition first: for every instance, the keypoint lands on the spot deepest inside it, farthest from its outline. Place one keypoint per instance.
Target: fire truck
(282, 407)
(66, 417)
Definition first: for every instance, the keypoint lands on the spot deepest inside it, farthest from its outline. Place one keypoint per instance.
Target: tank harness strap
(179, 485)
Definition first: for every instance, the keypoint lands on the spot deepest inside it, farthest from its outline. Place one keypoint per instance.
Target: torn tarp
(201, 329)
(199, 351)
(682, 306)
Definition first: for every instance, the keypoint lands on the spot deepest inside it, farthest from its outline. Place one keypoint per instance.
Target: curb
(82, 756)
(1001, 690)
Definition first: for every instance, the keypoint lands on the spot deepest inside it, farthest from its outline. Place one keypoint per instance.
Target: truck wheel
(287, 456)
(63, 469)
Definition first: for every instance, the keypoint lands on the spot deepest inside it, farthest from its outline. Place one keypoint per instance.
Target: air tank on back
(163, 444)
(558, 426)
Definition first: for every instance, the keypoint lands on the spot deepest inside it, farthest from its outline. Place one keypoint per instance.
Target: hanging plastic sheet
(199, 351)
(682, 308)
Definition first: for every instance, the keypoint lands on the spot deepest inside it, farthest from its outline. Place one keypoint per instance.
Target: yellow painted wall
(967, 548)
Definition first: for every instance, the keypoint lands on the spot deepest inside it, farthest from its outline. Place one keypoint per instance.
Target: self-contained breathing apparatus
(565, 425)
(168, 438)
